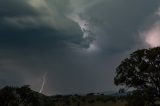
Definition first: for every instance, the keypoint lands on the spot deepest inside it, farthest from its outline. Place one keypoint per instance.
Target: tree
(7, 97)
(141, 71)
(136, 99)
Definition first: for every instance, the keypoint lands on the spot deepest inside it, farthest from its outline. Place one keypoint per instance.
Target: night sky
(78, 43)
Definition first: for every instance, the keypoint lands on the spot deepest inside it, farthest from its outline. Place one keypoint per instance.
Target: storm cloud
(78, 43)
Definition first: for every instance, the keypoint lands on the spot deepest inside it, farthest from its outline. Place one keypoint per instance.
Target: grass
(88, 101)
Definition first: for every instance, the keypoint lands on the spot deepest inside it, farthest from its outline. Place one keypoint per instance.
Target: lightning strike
(43, 82)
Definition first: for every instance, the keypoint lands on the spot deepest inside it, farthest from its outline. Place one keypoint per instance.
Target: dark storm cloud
(25, 49)
(22, 27)
(15, 8)
(38, 37)
(120, 21)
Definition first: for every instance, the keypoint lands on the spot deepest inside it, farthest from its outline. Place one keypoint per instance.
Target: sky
(72, 45)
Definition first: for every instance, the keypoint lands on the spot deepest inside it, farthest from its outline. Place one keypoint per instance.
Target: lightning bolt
(43, 82)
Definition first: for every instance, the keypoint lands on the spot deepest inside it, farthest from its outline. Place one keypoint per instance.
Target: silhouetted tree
(23, 96)
(136, 99)
(90, 94)
(141, 71)
(8, 97)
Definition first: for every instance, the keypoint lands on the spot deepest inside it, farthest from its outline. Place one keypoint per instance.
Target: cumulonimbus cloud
(151, 35)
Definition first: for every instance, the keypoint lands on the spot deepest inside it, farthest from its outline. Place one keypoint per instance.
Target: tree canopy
(141, 71)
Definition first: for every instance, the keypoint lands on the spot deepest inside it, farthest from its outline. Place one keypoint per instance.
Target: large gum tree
(141, 72)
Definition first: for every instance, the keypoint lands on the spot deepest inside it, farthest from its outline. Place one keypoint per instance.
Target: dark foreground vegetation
(24, 96)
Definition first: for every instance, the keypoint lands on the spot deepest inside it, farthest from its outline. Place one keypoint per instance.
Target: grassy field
(87, 101)
(109, 103)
